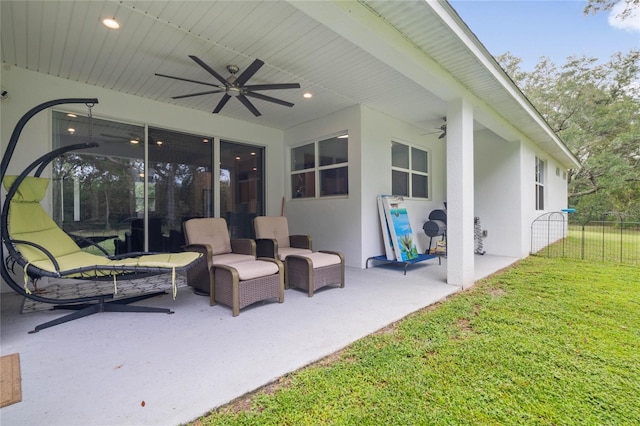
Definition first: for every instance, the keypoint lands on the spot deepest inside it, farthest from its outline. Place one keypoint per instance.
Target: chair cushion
(229, 258)
(274, 227)
(286, 251)
(209, 230)
(32, 189)
(255, 269)
(29, 222)
(321, 260)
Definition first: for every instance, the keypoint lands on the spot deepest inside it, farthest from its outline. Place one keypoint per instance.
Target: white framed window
(320, 168)
(540, 169)
(410, 168)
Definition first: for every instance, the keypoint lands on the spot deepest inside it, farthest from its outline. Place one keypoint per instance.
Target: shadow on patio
(158, 369)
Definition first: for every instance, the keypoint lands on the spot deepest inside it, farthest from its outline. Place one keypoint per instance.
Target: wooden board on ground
(10, 380)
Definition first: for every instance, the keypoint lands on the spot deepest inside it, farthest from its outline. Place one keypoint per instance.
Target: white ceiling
(66, 39)
(319, 45)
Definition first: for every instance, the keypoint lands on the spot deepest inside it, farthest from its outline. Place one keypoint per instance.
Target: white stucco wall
(379, 130)
(351, 224)
(555, 190)
(332, 222)
(497, 187)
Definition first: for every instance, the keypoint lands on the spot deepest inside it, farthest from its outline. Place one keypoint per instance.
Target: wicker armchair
(237, 278)
(304, 269)
(273, 239)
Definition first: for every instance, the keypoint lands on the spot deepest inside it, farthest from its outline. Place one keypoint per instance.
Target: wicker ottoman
(241, 284)
(314, 270)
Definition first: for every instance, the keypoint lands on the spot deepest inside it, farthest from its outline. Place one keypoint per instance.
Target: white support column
(460, 193)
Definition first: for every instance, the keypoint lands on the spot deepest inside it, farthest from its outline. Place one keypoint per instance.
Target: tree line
(594, 107)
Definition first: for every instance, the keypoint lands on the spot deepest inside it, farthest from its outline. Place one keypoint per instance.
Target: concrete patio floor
(158, 369)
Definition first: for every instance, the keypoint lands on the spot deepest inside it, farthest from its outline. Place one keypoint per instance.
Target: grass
(548, 341)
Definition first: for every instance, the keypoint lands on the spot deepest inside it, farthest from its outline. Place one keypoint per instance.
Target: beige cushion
(255, 269)
(230, 258)
(209, 230)
(320, 260)
(273, 227)
(286, 251)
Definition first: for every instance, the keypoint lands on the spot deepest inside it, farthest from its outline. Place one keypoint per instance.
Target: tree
(596, 6)
(595, 109)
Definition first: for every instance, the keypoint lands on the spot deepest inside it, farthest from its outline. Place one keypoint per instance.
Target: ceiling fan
(442, 129)
(235, 86)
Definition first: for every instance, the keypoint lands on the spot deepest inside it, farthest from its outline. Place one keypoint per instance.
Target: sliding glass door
(241, 186)
(179, 182)
(129, 194)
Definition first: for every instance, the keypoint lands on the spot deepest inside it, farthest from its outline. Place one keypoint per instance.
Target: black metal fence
(614, 240)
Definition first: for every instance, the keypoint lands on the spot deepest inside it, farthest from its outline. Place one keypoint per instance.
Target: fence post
(565, 234)
(582, 243)
(620, 239)
(603, 240)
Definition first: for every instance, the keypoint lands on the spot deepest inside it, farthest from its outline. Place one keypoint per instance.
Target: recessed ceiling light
(110, 23)
(72, 115)
(205, 140)
(71, 130)
(159, 142)
(134, 141)
(307, 95)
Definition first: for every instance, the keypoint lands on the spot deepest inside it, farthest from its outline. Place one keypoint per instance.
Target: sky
(557, 29)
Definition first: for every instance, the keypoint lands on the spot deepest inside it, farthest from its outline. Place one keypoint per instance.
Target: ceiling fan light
(111, 23)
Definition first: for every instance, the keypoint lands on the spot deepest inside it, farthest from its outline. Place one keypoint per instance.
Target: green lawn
(548, 341)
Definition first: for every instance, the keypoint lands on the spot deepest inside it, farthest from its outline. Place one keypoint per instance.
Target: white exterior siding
(497, 189)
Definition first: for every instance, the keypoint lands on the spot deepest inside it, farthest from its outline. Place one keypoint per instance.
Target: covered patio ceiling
(400, 58)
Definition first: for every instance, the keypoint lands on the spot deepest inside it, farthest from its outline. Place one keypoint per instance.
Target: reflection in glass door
(241, 186)
(180, 181)
(95, 192)
(103, 192)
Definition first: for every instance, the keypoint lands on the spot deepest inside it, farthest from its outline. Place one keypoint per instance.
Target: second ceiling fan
(235, 86)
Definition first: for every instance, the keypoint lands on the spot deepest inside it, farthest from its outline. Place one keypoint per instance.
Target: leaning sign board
(399, 228)
(386, 232)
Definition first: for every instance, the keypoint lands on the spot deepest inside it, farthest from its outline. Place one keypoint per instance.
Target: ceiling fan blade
(255, 87)
(249, 72)
(210, 70)
(222, 103)
(187, 79)
(198, 94)
(269, 99)
(249, 105)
